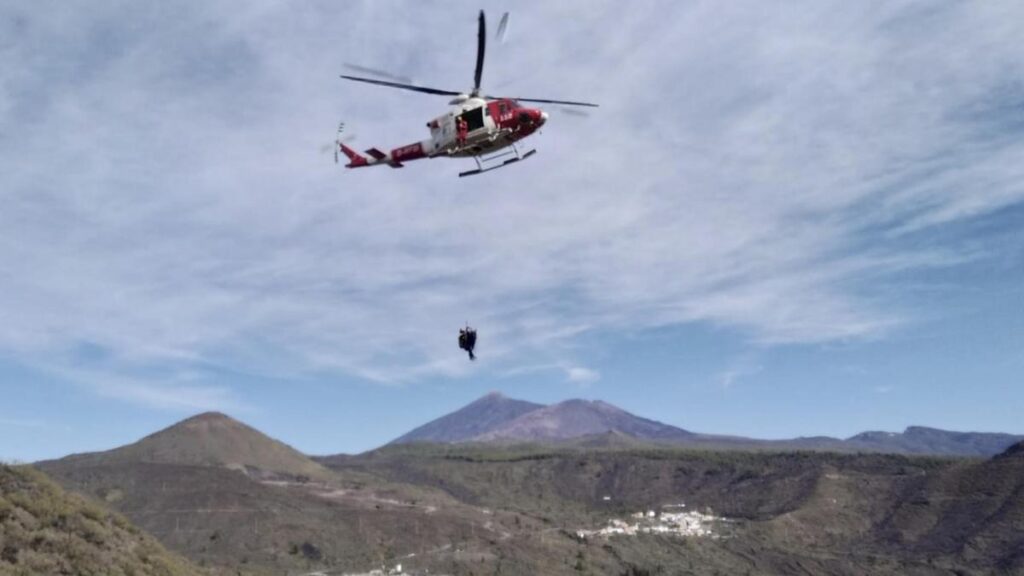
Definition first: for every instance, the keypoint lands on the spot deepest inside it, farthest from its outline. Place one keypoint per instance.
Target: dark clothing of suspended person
(467, 341)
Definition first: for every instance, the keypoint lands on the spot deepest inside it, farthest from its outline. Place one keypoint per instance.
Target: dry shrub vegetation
(45, 530)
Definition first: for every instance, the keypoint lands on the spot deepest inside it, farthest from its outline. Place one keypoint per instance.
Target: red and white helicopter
(485, 128)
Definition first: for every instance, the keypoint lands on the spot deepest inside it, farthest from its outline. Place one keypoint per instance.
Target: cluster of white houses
(671, 521)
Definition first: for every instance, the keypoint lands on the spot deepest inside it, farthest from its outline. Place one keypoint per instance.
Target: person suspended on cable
(467, 340)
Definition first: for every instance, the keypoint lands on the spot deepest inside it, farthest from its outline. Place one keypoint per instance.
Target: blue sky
(783, 220)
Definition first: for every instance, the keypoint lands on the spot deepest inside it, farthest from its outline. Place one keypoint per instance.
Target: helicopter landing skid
(491, 162)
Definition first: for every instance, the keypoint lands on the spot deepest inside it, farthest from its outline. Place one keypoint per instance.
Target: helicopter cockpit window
(502, 107)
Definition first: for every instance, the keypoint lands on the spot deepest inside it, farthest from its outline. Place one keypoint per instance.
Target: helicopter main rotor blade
(543, 101)
(412, 87)
(481, 45)
(574, 112)
(378, 73)
(502, 28)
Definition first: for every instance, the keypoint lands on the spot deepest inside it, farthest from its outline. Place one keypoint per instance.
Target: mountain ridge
(587, 420)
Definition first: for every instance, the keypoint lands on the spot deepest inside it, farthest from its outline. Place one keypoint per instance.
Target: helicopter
(479, 126)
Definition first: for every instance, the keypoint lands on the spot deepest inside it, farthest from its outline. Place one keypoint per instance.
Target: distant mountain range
(496, 418)
(922, 440)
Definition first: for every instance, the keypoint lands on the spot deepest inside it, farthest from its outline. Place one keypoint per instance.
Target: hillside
(470, 421)
(1015, 451)
(797, 512)
(212, 439)
(44, 530)
(975, 510)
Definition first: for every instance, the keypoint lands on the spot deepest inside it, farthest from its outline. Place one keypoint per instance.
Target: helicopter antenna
(337, 140)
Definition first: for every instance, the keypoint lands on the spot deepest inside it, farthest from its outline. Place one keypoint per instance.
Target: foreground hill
(470, 421)
(44, 530)
(578, 418)
(212, 439)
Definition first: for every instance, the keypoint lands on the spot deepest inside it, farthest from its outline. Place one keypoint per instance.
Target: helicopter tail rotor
(339, 140)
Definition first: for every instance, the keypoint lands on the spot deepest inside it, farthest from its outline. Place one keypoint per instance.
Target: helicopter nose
(543, 117)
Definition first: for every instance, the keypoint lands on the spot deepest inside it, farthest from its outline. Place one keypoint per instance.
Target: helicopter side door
(442, 131)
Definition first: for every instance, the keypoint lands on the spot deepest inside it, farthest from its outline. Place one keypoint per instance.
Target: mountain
(479, 417)
(922, 440)
(576, 418)
(45, 530)
(496, 418)
(212, 439)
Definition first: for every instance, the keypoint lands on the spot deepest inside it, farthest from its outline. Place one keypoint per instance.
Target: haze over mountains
(496, 418)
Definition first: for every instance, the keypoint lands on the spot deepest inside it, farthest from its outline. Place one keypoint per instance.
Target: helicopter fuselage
(490, 125)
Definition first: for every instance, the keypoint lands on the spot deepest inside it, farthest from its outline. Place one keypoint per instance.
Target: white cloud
(581, 375)
(177, 392)
(750, 167)
(743, 367)
(22, 422)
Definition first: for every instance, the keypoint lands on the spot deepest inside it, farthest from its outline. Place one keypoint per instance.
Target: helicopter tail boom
(376, 156)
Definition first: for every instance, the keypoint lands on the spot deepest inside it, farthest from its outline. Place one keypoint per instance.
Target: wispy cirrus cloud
(22, 422)
(752, 167)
